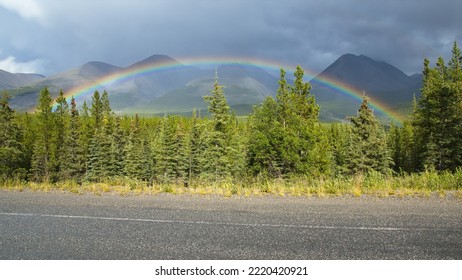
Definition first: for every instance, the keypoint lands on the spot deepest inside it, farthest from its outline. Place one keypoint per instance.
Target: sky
(49, 36)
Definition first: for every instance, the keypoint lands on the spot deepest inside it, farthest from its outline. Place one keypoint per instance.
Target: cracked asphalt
(55, 225)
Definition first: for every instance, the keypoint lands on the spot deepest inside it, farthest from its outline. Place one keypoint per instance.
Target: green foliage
(171, 156)
(42, 159)
(60, 134)
(73, 159)
(339, 136)
(285, 134)
(137, 161)
(367, 148)
(11, 148)
(217, 138)
(280, 148)
(96, 110)
(437, 119)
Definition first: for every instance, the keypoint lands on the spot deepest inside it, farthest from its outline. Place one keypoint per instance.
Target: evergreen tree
(42, 156)
(368, 150)
(137, 162)
(11, 148)
(99, 153)
(26, 124)
(339, 140)
(73, 167)
(286, 137)
(86, 130)
(264, 140)
(437, 120)
(401, 145)
(60, 133)
(195, 147)
(99, 156)
(118, 149)
(172, 158)
(218, 107)
(96, 110)
(216, 138)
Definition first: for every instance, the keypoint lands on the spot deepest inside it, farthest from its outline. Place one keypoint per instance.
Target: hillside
(160, 84)
(15, 80)
(381, 81)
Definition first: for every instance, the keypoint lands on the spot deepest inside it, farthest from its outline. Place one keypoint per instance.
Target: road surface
(35, 225)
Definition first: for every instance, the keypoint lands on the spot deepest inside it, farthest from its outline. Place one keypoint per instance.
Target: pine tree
(195, 147)
(73, 167)
(437, 120)
(86, 130)
(118, 149)
(11, 148)
(26, 123)
(264, 140)
(137, 162)
(60, 133)
(401, 145)
(42, 158)
(172, 159)
(367, 150)
(286, 137)
(216, 139)
(96, 110)
(338, 139)
(99, 154)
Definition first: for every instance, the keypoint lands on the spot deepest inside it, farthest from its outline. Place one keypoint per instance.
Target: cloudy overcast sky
(48, 36)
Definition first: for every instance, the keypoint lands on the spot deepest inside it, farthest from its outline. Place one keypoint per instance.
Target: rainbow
(272, 66)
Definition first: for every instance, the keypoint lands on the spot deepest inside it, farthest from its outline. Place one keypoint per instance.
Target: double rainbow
(272, 66)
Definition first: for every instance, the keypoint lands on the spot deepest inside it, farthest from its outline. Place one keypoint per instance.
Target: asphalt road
(70, 226)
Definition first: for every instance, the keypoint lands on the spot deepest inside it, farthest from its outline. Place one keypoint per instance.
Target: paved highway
(69, 226)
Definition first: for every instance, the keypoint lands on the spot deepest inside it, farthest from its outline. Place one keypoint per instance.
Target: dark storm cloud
(56, 35)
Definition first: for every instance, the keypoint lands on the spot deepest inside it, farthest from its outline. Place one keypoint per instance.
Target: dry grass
(424, 184)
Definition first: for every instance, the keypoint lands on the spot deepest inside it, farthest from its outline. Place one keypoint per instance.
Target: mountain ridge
(151, 87)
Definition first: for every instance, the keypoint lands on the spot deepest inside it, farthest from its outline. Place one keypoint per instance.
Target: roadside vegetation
(281, 149)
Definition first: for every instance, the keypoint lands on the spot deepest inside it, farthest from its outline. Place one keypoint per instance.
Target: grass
(425, 184)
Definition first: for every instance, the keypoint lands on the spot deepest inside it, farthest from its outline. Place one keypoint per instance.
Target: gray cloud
(64, 34)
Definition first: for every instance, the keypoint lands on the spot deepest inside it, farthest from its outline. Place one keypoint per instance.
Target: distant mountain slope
(381, 81)
(243, 85)
(13, 80)
(147, 79)
(160, 84)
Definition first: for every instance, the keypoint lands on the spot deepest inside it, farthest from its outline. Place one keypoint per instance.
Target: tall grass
(416, 184)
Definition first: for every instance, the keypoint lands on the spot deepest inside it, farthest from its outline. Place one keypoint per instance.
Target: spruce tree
(286, 137)
(99, 153)
(42, 158)
(264, 140)
(196, 147)
(96, 110)
(74, 164)
(367, 150)
(216, 138)
(118, 149)
(339, 139)
(11, 147)
(437, 120)
(60, 133)
(137, 161)
(172, 158)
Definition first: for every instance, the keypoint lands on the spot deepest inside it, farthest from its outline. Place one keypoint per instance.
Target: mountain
(379, 80)
(159, 84)
(244, 86)
(13, 80)
(136, 84)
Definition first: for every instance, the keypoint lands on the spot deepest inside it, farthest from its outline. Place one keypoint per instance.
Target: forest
(280, 148)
